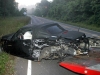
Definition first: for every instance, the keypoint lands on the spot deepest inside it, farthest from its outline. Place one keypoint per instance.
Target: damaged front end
(59, 48)
(62, 48)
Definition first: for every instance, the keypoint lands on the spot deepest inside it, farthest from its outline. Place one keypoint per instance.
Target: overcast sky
(28, 2)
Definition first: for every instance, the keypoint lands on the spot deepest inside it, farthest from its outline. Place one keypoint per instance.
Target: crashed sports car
(47, 41)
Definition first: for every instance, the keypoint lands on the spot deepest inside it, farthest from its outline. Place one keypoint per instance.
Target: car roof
(39, 30)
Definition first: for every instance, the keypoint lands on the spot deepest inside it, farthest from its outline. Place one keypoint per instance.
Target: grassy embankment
(80, 24)
(9, 25)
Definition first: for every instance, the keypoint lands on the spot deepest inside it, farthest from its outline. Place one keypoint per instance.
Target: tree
(8, 8)
(87, 11)
(43, 7)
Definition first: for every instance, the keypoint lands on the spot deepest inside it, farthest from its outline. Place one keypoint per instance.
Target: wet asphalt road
(47, 67)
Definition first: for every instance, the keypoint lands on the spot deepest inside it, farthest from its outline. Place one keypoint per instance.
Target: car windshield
(54, 29)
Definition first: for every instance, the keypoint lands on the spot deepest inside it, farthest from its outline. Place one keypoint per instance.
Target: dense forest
(9, 8)
(87, 11)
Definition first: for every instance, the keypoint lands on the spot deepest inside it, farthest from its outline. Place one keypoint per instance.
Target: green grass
(6, 64)
(9, 25)
(12, 24)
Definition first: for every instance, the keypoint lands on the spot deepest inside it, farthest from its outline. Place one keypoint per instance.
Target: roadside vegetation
(11, 19)
(9, 25)
(83, 13)
(10, 8)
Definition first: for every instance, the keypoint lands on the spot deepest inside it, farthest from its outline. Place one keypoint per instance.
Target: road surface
(46, 67)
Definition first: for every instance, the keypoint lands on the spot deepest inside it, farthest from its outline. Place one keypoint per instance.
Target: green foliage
(3, 59)
(9, 8)
(22, 11)
(42, 8)
(85, 11)
(9, 25)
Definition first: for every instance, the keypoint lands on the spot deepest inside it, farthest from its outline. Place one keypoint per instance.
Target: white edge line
(29, 68)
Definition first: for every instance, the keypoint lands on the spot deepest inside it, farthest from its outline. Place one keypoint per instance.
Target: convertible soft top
(39, 31)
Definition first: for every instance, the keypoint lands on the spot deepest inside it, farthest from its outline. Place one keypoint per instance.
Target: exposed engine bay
(59, 49)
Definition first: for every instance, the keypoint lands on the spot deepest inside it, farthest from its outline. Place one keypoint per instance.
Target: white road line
(29, 68)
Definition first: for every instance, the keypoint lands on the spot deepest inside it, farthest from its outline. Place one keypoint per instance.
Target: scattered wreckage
(48, 41)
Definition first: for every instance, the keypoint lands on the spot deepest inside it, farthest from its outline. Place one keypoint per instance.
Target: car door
(22, 42)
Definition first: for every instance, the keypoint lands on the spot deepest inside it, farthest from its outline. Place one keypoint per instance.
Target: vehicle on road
(48, 41)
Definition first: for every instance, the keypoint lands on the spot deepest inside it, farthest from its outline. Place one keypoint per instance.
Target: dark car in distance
(46, 41)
